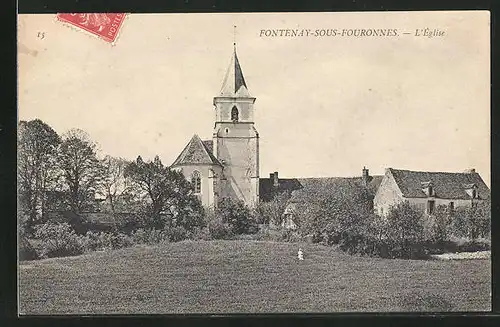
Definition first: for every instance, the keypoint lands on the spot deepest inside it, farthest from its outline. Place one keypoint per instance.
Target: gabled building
(428, 190)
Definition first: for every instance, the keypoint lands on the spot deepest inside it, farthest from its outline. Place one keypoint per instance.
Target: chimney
(470, 171)
(275, 179)
(366, 176)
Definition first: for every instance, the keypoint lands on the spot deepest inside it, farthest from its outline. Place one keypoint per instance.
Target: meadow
(247, 277)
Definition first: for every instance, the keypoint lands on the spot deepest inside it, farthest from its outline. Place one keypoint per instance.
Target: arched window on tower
(234, 114)
(196, 180)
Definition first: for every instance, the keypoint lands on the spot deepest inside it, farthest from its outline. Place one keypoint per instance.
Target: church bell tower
(235, 139)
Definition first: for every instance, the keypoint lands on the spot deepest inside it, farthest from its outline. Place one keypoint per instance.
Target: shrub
(473, 223)
(57, 240)
(468, 245)
(276, 234)
(405, 229)
(219, 230)
(26, 250)
(237, 215)
(150, 236)
(176, 233)
(332, 209)
(93, 241)
(128, 223)
(202, 234)
(267, 233)
(459, 225)
(190, 213)
(271, 212)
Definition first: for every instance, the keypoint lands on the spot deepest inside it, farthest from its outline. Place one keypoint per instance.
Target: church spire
(234, 84)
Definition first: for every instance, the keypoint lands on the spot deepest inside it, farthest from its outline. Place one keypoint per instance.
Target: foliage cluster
(343, 217)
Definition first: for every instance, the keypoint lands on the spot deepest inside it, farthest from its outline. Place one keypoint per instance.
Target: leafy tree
(165, 191)
(472, 222)
(186, 206)
(152, 185)
(480, 220)
(271, 212)
(37, 153)
(439, 223)
(81, 169)
(237, 215)
(334, 211)
(404, 225)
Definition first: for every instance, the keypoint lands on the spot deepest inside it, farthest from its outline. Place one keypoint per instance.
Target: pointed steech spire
(234, 84)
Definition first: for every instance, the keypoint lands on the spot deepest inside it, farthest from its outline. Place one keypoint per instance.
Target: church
(227, 166)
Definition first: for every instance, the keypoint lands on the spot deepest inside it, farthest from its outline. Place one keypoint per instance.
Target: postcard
(254, 163)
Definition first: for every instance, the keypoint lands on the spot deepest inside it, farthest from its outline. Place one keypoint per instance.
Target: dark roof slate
(234, 84)
(196, 152)
(446, 185)
(299, 187)
(209, 144)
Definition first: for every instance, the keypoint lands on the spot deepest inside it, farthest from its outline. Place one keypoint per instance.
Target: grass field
(247, 276)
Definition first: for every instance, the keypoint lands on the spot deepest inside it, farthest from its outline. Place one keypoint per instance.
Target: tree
(165, 190)
(113, 182)
(480, 220)
(271, 212)
(186, 206)
(472, 222)
(436, 226)
(237, 215)
(404, 224)
(37, 153)
(81, 169)
(151, 184)
(334, 211)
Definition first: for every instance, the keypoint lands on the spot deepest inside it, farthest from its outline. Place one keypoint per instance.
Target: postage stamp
(104, 25)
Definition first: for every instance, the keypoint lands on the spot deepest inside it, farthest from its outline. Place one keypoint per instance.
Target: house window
(452, 207)
(431, 191)
(474, 194)
(431, 206)
(234, 114)
(196, 180)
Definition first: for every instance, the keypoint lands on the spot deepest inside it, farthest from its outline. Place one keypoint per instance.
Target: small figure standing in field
(300, 254)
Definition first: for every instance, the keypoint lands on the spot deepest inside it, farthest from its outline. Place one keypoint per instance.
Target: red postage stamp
(104, 25)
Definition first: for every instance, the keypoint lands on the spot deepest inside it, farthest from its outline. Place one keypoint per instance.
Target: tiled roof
(299, 187)
(196, 152)
(209, 144)
(445, 185)
(234, 84)
(266, 189)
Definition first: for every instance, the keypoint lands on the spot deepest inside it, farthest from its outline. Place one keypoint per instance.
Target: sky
(326, 106)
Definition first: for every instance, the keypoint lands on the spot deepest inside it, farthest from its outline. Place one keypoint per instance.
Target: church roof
(446, 185)
(196, 152)
(209, 144)
(234, 84)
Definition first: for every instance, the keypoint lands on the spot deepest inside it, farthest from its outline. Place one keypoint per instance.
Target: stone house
(428, 190)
